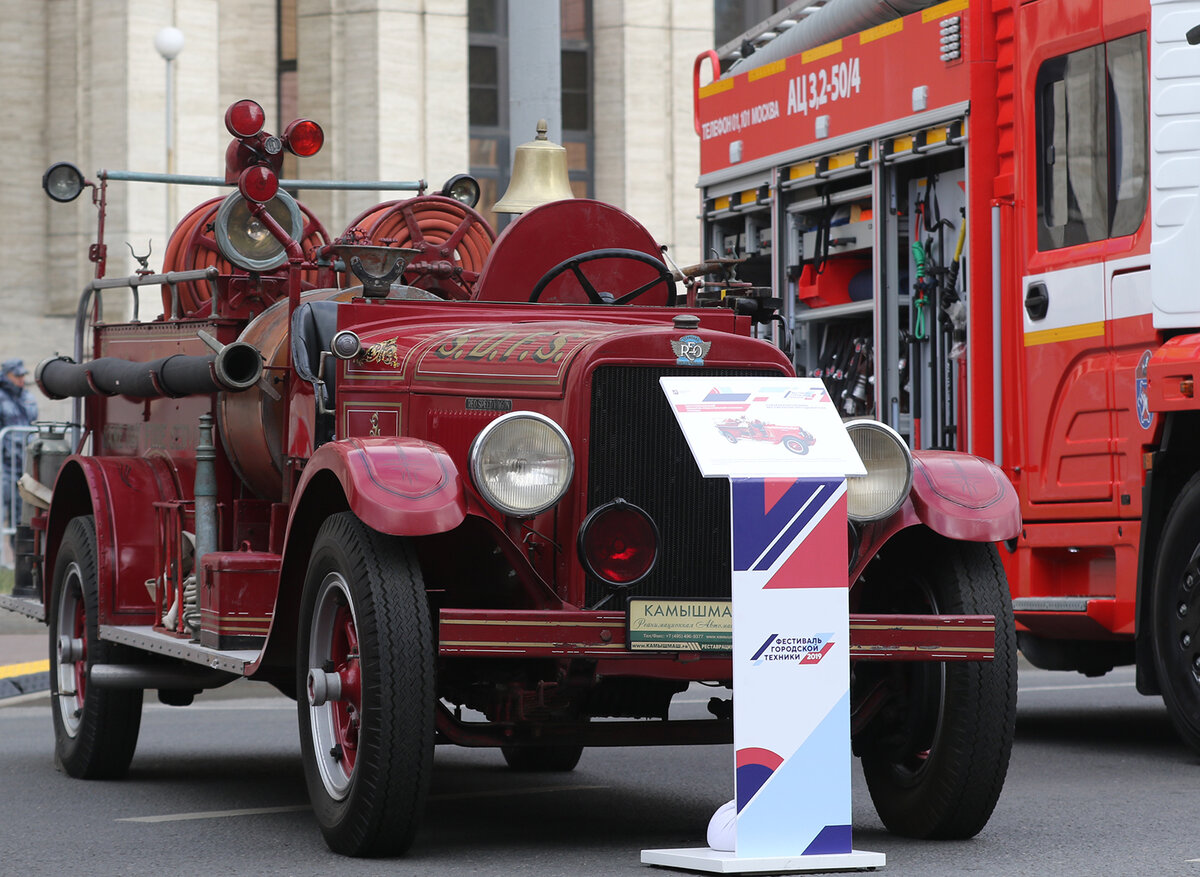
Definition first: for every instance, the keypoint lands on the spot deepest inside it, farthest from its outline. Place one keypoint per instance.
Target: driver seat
(540, 238)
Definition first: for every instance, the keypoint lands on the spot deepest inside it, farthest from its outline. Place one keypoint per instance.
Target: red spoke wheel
(95, 731)
(453, 239)
(365, 673)
(193, 246)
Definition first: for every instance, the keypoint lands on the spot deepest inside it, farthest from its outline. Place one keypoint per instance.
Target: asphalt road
(1098, 785)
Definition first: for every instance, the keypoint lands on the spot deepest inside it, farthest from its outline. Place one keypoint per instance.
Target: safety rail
(10, 499)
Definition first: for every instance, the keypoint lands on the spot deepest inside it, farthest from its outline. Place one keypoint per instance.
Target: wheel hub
(335, 686)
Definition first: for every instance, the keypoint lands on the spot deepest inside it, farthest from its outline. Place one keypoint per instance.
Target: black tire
(936, 755)
(1175, 607)
(364, 595)
(542, 759)
(95, 731)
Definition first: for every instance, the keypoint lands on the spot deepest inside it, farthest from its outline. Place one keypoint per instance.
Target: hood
(532, 357)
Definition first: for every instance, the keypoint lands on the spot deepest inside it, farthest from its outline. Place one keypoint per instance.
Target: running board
(150, 640)
(1055, 604)
(29, 606)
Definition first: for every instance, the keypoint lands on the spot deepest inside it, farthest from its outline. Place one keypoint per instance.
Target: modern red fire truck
(418, 477)
(983, 219)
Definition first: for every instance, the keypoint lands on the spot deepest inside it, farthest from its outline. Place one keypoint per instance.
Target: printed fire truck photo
(412, 473)
(993, 205)
(795, 438)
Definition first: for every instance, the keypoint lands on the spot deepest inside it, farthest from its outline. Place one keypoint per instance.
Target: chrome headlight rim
(225, 239)
(475, 464)
(905, 453)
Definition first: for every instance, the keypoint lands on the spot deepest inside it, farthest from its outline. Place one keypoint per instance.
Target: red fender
(398, 486)
(1171, 375)
(957, 495)
(122, 492)
(964, 497)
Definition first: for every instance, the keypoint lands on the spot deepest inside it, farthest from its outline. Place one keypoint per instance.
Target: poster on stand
(762, 427)
(783, 447)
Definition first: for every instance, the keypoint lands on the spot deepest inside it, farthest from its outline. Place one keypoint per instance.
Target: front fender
(398, 486)
(964, 497)
(956, 495)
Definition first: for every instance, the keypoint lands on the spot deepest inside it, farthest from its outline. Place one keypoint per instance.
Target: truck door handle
(1037, 301)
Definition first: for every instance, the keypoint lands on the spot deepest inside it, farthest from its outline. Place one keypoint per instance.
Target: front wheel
(95, 731)
(1176, 614)
(366, 689)
(936, 754)
(795, 445)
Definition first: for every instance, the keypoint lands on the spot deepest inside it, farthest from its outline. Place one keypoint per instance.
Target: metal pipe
(187, 676)
(237, 367)
(997, 433)
(830, 22)
(205, 494)
(193, 180)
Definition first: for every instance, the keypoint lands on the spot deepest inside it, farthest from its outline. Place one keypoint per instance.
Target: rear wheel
(936, 754)
(95, 731)
(366, 683)
(1176, 614)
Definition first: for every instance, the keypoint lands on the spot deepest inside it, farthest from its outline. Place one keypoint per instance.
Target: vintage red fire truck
(795, 438)
(983, 218)
(415, 476)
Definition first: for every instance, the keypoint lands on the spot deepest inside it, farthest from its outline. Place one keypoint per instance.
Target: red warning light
(258, 184)
(245, 118)
(304, 137)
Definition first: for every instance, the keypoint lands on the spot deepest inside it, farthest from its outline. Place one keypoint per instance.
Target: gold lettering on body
(384, 353)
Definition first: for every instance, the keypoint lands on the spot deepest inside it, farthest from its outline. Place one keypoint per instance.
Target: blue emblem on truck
(690, 350)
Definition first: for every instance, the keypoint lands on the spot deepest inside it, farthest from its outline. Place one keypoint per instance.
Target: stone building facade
(386, 79)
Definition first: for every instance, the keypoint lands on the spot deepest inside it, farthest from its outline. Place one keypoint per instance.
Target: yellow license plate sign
(683, 625)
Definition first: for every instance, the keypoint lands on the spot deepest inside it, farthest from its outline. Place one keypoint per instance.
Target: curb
(28, 678)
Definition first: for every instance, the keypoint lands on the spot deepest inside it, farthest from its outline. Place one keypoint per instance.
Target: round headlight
(63, 182)
(884, 488)
(245, 241)
(522, 463)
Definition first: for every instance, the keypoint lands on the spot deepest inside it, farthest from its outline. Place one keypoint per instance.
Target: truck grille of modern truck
(638, 452)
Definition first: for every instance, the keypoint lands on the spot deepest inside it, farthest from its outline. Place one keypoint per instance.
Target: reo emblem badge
(690, 350)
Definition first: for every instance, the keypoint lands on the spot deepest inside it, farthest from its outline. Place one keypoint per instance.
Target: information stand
(782, 445)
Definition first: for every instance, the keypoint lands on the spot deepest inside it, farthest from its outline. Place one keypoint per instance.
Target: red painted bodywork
(601, 635)
(1062, 419)
(548, 234)
(398, 486)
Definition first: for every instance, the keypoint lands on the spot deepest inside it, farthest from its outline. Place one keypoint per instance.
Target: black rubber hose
(237, 367)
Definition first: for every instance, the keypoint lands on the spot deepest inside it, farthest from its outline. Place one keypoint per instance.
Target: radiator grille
(638, 453)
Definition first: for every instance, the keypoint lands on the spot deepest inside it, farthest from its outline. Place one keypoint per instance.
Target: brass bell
(539, 175)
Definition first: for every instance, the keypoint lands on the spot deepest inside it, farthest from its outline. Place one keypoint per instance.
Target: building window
(1092, 122)
(488, 78)
(287, 79)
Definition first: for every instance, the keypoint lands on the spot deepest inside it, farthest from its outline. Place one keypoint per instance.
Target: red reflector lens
(245, 118)
(258, 184)
(304, 137)
(618, 543)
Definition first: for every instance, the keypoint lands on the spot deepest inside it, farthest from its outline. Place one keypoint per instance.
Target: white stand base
(712, 861)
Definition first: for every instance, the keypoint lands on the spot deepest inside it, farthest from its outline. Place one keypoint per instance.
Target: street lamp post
(169, 43)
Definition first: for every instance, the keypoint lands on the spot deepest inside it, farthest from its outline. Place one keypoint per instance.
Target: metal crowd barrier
(10, 499)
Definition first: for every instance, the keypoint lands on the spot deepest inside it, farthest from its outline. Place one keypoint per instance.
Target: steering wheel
(573, 265)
